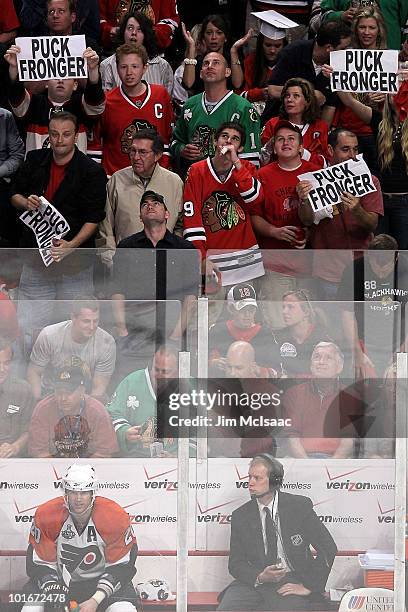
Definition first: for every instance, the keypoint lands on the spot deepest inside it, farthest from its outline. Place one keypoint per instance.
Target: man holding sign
(349, 224)
(34, 109)
(75, 186)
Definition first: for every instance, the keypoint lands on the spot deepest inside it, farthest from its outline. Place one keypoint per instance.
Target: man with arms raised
(34, 110)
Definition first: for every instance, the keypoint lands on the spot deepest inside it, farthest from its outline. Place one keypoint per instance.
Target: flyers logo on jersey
(82, 558)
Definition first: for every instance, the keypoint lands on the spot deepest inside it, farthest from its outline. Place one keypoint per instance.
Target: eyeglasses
(140, 152)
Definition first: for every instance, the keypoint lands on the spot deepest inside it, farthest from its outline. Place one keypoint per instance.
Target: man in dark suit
(270, 555)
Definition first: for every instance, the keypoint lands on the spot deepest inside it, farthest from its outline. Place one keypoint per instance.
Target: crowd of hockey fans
(174, 168)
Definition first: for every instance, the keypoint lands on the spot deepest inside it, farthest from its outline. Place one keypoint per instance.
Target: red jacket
(254, 91)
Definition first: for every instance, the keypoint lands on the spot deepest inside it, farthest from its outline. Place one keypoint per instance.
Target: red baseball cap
(284, 123)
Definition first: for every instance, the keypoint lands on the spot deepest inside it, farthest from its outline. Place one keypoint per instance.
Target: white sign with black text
(46, 223)
(51, 57)
(330, 183)
(364, 70)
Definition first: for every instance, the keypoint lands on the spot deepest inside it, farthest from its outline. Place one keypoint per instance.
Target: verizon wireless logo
(354, 485)
(208, 516)
(384, 517)
(166, 484)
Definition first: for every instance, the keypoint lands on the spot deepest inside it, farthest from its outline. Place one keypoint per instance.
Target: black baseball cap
(241, 296)
(152, 195)
(70, 377)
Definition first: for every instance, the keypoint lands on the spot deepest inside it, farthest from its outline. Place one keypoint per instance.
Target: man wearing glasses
(127, 186)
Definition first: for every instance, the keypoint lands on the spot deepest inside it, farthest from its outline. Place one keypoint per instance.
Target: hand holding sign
(11, 58)
(49, 226)
(33, 202)
(303, 189)
(51, 57)
(60, 249)
(350, 202)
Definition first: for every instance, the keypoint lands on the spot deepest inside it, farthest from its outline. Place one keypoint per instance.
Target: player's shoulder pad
(108, 516)
(50, 514)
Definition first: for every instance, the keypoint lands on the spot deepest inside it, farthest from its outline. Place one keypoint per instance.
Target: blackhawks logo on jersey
(203, 138)
(130, 131)
(71, 435)
(133, 6)
(221, 212)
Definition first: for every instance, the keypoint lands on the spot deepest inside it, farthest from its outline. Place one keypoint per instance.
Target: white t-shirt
(55, 347)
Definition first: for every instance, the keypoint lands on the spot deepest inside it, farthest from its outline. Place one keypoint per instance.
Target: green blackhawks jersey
(134, 403)
(196, 125)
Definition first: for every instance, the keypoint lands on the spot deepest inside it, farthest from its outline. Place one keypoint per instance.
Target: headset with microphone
(275, 475)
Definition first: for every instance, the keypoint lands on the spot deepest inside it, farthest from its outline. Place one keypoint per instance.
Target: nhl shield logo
(296, 539)
(68, 534)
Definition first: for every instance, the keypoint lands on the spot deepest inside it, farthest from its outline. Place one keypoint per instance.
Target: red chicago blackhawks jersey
(123, 117)
(216, 218)
(106, 540)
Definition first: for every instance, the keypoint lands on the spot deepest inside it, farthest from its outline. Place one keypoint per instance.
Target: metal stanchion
(400, 482)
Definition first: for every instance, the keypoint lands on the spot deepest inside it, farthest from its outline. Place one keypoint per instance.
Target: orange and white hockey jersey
(101, 551)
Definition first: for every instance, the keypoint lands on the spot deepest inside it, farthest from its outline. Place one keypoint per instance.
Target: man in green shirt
(133, 408)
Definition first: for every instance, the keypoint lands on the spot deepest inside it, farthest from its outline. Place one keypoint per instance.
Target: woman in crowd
(137, 28)
(213, 37)
(390, 129)
(295, 342)
(369, 32)
(258, 67)
(300, 107)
